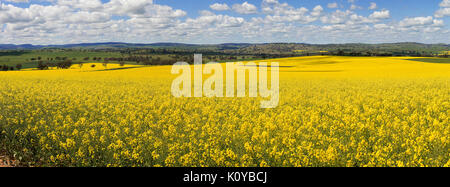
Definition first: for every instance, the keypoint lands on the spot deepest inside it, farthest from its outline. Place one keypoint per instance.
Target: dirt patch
(6, 161)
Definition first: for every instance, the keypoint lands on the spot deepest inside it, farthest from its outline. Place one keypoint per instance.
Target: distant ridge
(93, 45)
(224, 46)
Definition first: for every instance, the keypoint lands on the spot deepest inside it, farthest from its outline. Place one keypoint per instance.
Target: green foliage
(167, 54)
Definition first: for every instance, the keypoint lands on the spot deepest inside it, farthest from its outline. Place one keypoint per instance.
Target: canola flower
(333, 111)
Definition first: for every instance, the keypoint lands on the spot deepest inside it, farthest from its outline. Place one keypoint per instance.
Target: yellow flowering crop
(333, 111)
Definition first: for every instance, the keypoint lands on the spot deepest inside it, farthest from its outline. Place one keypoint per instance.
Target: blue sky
(223, 21)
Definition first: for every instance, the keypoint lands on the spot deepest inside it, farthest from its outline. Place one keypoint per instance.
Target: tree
(105, 64)
(66, 64)
(4, 68)
(42, 66)
(19, 66)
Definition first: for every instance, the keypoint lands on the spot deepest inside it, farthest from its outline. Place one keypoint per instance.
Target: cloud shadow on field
(315, 71)
(432, 60)
(116, 69)
(269, 66)
(321, 63)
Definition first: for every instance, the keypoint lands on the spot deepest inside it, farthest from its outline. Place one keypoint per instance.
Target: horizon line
(253, 43)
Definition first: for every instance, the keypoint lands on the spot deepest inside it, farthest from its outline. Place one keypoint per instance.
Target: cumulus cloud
(317, 11)
(82, 19)
(444, 10)
(337, 17)
(438, 23)
(128, 7)
(384, 14)
(86, 17)
(354, 7)
(245, 8)
(208, 19)
(90, 5)
(74, 21)
(12, 14)
(445, 3)
(381, 26)
(219, 7)
(373, 6)
(283, 12)
(332, 5)
(18, 1)
(270, 1)
(416, 21)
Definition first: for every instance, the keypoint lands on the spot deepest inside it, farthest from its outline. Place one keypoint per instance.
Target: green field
(24, 57)
(30, 58)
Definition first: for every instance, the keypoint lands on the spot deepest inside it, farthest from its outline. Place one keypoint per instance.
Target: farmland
(333, 111)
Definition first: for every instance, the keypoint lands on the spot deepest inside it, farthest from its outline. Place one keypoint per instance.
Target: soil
(6, 161)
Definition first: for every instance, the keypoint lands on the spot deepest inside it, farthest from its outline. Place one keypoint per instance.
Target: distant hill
(248, 48)
(356, 48)
(95, 45)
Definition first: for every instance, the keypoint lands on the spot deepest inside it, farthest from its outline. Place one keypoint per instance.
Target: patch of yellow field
(444, 53)
(333, 111)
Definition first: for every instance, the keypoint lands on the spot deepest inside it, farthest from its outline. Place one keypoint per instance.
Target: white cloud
(82, 4)
(128, 7)
(381, 26)
(18, 1)
(332, 5)
(11, 14)
(357, 19)
(445, 3)
(354, 7)
(283, 12)
(373, 6)
(444, 10)
(337, 17)
(219, 7)
(270, 1)
(75, 21)
(383, 14)
(245, 8)
(416, 21)
(87, 17)
(208, 19)
(438, 23)
(317, 11)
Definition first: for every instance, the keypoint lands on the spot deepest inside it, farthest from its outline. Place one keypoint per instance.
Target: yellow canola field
(333, 111)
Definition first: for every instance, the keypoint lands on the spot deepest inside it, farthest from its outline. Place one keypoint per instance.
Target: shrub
(19, 66)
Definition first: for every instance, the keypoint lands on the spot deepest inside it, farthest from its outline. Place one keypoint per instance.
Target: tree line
(10, 68)
(66, 64)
